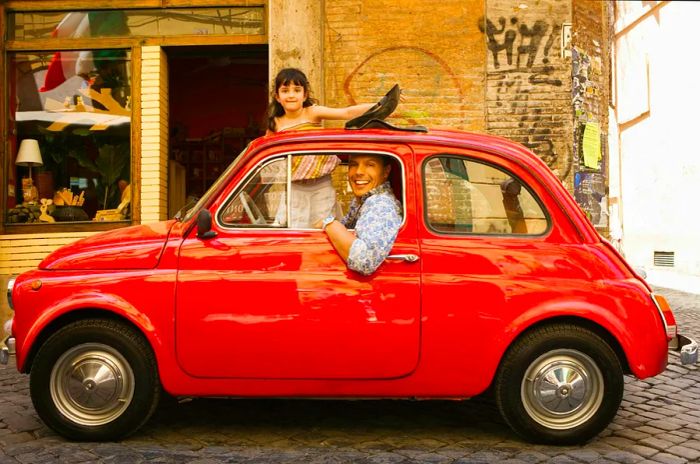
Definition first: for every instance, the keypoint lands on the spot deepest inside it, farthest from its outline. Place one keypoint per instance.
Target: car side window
(316, 184)
(258, 202)
(466, 196)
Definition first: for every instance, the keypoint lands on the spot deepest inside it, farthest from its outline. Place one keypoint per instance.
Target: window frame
(288, 154)
(498, 167)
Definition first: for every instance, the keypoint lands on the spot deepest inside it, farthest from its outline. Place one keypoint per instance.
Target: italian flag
(66, 64)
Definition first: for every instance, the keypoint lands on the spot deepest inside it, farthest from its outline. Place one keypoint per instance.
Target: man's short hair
(384, 158)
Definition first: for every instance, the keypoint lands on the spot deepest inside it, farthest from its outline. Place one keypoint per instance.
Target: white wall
(657, 107)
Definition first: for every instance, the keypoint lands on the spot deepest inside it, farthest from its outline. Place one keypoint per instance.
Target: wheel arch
(73, 316)
(579, 321)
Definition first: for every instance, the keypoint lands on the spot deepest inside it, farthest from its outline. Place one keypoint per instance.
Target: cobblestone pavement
(659, 422)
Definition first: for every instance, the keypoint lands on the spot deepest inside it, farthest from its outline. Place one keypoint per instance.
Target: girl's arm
(349, 112)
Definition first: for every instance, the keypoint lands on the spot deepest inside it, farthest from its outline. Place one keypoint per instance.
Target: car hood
(135, 247)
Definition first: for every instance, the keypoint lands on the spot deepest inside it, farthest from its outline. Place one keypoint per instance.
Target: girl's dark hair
(286, 76)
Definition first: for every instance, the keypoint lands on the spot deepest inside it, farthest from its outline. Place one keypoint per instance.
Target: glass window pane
(262, 201)
(136, 23)
(76, 105)
(313, 194)
(464, 196)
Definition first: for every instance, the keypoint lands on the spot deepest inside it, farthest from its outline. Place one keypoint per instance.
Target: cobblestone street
(659, 421)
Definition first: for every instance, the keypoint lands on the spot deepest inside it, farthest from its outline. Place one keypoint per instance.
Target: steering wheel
(251, 209)
(381, 110)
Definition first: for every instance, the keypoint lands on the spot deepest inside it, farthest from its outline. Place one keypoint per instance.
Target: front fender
(88, 300)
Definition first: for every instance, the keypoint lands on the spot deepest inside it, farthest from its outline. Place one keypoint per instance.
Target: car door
(264, 300)
(492, 248)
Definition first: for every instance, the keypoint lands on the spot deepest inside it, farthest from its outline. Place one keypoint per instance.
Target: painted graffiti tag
(503, 39)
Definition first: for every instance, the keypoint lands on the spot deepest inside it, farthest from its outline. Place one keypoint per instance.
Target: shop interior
(218, 96)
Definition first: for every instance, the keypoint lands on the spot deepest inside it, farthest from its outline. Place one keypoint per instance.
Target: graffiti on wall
(502, 38)
(520, 72)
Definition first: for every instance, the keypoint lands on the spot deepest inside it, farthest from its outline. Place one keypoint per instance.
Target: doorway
(217, 99)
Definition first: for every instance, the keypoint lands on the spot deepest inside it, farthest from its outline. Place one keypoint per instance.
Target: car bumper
(687, 347)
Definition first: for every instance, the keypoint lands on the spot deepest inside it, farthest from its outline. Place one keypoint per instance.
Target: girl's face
(291, 96)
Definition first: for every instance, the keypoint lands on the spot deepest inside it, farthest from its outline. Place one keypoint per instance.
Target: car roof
(443, 137)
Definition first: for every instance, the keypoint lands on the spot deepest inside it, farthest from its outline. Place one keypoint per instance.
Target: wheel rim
(92, 384)
(562, 389)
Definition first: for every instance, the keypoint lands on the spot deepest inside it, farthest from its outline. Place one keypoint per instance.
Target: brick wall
(495, 66)
(434, 50)
(528, 88)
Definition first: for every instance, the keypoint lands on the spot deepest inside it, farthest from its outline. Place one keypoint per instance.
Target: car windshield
(190, 209)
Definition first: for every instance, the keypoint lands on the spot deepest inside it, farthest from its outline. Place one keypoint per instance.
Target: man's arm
(341, 238)
(374, 236)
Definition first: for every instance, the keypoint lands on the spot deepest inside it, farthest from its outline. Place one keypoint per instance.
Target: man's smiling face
(366, 172)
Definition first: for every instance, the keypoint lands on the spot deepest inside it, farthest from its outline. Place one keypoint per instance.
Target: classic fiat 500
(496, 282)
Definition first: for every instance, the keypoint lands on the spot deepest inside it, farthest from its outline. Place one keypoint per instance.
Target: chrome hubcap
(562, 389)
(92, 384)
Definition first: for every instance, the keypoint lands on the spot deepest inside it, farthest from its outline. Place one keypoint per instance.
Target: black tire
(77, 403)
(574, 389)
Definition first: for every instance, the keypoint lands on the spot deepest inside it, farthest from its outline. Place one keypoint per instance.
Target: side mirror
(204, 225)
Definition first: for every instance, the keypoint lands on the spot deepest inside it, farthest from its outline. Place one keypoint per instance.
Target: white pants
(311, 201)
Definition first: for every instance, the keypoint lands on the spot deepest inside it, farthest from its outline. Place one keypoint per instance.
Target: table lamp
(29, 155)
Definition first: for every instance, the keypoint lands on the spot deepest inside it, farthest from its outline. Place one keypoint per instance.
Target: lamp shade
(29, 153)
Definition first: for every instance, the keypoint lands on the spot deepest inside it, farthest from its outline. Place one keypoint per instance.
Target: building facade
(138, 105)
(654, 154)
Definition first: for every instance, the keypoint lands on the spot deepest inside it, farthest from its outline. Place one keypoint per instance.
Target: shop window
(466, 196)
(69, 157)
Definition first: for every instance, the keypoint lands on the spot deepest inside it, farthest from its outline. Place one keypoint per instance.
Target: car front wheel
(95, 380)
(559, 384)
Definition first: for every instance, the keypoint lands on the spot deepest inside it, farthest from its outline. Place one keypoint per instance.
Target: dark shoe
(380, 111)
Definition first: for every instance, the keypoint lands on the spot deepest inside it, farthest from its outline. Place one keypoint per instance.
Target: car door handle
(408, 257)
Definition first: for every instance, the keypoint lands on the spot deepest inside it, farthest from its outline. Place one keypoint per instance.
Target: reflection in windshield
(189, 213)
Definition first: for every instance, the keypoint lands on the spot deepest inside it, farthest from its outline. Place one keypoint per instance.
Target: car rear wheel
(559, 384)
(95, 380)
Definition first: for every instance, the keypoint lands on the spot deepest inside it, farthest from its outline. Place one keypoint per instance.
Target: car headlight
(10, 286)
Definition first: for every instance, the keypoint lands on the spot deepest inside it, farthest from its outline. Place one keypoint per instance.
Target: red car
(497, 281)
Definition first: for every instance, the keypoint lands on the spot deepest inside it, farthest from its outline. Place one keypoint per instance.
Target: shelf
(206, 158)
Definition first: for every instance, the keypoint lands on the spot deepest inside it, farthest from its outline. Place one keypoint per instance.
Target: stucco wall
(295, 38)
(656, 108)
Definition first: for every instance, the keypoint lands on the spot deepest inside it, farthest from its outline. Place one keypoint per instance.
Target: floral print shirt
(376, 217)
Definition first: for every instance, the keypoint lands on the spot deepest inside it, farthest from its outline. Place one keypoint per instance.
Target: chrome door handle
(408, 258)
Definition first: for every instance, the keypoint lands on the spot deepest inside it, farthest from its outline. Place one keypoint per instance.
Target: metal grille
(664, 258)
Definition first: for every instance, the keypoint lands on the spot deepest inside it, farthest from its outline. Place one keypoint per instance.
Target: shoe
(380, 111)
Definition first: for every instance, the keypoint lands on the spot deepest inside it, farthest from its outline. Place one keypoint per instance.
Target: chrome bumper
(687, 347)
(6, 349)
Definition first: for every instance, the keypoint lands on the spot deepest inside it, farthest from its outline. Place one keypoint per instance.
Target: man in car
(374, 213)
